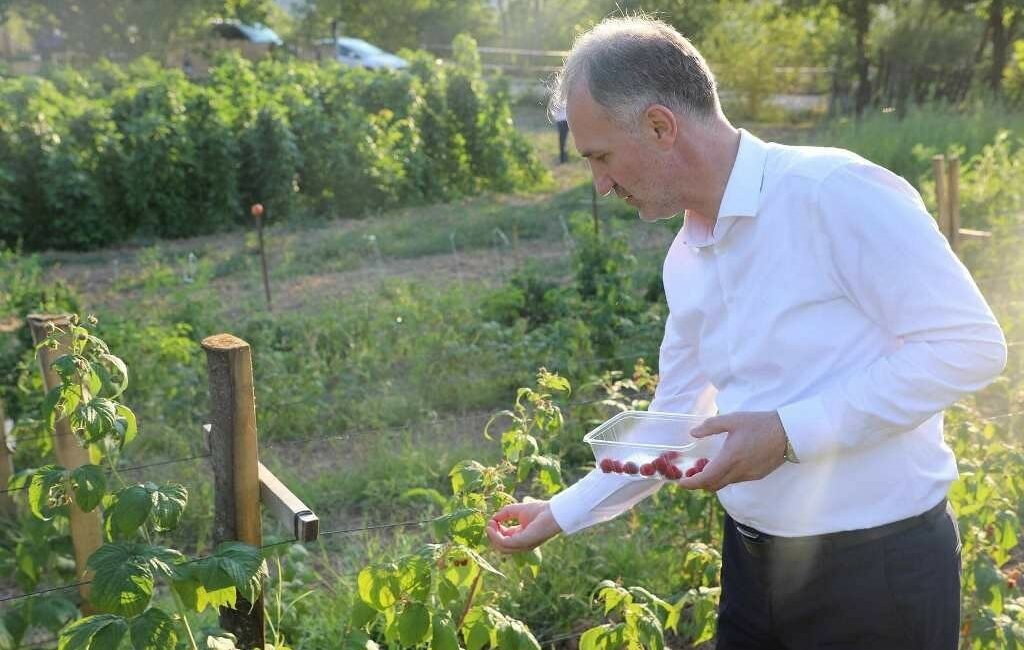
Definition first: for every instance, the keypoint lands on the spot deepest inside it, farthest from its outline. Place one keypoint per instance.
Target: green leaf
(47, 491)
(465, 475)
(241, 565)
(127, 510)
(613, 596)
(192, 593)
(476, 628)
(50, 406)
(169, 501)
(100, 632)
(514, 634)
(379, 586)
(124, 578)
(415, 577)
(466, 526)
(119, 365)
(483, 564)
(125, 424)
(361, 614)
(203, 583)
(153, 630)
(602, 637)
(444, 635)
(359, 640)
(89, 483)
(553, 382)
(413, 624)
(549, 473)
(447, 592)
(96, 418)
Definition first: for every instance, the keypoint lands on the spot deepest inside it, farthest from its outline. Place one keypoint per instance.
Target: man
(814, 304)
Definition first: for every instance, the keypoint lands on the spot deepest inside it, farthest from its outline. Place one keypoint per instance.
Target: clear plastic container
(648, 445)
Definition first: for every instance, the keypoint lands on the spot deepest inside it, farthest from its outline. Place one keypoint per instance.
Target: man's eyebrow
(588, 154)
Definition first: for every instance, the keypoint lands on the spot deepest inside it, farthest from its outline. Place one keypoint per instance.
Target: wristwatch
(790, 455)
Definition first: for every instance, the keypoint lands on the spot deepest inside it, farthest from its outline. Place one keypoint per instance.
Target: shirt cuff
(596, 498)
(808, 428)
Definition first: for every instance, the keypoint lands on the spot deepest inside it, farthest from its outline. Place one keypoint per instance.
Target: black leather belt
(759, 543)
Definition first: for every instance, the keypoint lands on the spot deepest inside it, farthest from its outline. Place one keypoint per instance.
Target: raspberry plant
(127, 567)
(440, 592)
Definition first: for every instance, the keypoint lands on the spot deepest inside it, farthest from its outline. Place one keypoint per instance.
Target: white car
(356, 52)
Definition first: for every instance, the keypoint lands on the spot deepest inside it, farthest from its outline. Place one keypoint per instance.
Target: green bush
(91, 158)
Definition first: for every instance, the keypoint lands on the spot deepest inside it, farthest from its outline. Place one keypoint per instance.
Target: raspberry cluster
(663, 465)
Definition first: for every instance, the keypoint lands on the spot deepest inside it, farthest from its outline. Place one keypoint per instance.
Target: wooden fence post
(235, 459)
(86, 527)
(7, 507)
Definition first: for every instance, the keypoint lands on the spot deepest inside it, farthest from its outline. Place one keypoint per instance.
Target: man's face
(621, 160)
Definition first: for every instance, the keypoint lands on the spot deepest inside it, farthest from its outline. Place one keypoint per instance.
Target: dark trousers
(852, 591)
(563, 135)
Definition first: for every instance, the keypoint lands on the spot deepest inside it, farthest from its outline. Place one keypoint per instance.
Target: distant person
(815, 307)
(563, 133)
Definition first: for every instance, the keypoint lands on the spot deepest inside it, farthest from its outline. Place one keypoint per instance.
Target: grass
(905, 143)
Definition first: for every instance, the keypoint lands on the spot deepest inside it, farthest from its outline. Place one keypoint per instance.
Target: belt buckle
(753, 535)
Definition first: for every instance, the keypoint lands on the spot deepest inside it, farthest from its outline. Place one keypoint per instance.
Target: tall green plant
(127, 567)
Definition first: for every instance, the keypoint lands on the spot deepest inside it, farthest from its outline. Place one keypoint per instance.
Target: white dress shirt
(824, 291)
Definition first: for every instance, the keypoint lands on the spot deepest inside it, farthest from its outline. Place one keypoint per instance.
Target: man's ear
(661, 124)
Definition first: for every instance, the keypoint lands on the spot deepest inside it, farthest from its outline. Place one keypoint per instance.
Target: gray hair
(630, 63)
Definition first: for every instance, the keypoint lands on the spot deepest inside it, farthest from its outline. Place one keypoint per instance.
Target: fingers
(712, 478)
(518, 511)
(534, 526)
(712, 426)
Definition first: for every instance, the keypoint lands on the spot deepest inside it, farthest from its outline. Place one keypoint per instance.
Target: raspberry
(690, 472)
(674, 473)
(701, 463)
(617, 466)
(661, 465)
(647, 469)
(630, 468)
(607, 465)
(670, 455)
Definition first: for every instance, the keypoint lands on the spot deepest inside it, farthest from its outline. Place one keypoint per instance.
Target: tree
(1002, 20)
(858, 15)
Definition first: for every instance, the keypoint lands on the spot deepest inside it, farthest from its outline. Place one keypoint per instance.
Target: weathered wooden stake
(263, 262)
(235, 459)
(593, 209)
(7, 507)
(86, 527)
(288, 508)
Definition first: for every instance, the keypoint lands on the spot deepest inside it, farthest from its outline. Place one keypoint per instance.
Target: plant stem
(469, 599)
(184, 619)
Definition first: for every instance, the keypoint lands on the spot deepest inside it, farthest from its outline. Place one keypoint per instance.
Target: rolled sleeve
(600, 497)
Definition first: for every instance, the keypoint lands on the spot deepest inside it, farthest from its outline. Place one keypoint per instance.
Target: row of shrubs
(90, 158)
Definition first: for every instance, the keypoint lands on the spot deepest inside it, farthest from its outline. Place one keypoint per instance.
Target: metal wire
(129, 469)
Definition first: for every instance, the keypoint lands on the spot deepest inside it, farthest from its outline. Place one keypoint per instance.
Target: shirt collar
(742, 193)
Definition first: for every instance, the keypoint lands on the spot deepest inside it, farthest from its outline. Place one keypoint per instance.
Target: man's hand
(754, 447)
(535, 525)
